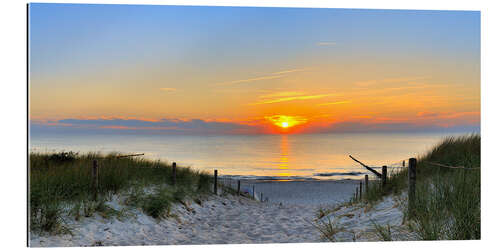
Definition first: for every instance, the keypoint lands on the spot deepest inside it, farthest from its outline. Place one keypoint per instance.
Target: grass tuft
(384, 233)
(328, 229)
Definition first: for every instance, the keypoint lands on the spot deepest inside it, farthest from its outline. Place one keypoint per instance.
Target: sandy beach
(314, 193)
(228, 219)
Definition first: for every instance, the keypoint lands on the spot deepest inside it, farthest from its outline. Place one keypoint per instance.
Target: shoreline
(316, 193)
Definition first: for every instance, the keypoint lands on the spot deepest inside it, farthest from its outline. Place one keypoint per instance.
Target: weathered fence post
(366, 183)
(356, 195)
(384, 176)
(239, 185)
(261, 197)
(95, 179)
(412, 178)
(403, 163)
(174, 173)
(215, 181)
(253, 191)
(360, 190)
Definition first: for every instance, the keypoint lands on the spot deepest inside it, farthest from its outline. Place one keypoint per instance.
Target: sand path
(219, 220)
(244, 221)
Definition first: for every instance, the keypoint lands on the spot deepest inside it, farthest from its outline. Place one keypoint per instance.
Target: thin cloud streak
(326, 43)
(250, 80)
(289, 71)
(282, 94)
(389, 80)
(274, 75)
(334, 103)
(291, 98)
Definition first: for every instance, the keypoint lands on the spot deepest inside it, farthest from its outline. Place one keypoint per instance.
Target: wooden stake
(356, 195)
(174, 173)
(215, 181)
(412, 179)
(95, 179)
(384, 176)
(239, 185)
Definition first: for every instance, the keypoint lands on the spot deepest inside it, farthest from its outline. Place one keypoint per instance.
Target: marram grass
(61, 184)
(447, 200)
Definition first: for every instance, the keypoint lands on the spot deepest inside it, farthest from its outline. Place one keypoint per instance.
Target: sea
(280, 157)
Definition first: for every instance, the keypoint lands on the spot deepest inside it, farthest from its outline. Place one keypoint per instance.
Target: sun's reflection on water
(284, 157)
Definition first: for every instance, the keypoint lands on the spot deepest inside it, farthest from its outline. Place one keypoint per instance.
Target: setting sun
(285, 121)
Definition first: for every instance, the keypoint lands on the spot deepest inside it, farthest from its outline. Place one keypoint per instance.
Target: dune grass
(447, 201)
(61, 184)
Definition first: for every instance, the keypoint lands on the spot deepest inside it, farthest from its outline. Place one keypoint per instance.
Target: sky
(248, 70)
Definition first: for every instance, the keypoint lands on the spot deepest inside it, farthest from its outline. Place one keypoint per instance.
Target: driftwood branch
(122, 156)
(379, 175)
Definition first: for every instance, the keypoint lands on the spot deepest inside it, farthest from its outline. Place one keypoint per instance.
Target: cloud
(169, 126)
(291, 98)
(251, 80)
(389, 80)
(428, 114)
(168, 89)
(391, 127)
(442, 122)
(326, 43)
(334, 103)
(274, 75)
(282, 94)
(290, 71)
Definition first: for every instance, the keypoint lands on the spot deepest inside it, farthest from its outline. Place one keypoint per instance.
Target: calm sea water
(298, 156)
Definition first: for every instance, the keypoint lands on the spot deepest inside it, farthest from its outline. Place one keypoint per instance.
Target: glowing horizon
(252, 70)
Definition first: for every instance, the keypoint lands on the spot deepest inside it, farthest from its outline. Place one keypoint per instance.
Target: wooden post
(239, 185)
(253, 191)
(403, 163)
(360, 190)
(215, 181)
(174, 173)
(412, 178)
(261, 197)
(384, 176)
(356, 195)
(95, 179)
(366, 183)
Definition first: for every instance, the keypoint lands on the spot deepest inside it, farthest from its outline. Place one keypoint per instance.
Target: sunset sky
(230, 70)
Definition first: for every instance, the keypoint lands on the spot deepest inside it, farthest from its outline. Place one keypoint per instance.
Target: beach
(314, 193)
(290, 216)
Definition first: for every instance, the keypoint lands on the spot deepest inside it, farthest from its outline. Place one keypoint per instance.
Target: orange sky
(325, 76)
